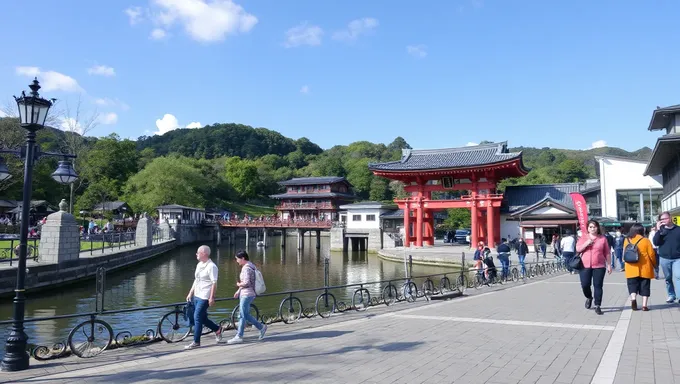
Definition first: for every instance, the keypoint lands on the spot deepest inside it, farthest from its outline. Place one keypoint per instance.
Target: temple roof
(667, 147)
(463, 157)
(518, 197)
(661, 117)
(320, 195)
(314, 180)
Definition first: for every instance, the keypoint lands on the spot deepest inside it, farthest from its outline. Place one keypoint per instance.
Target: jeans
(671, 271)
(656, 267)
(201, 319)
(521, 262)
(566, 257)
(543, 249)
(594, 276)
(504, 258)
(618, 255)
(244, 308)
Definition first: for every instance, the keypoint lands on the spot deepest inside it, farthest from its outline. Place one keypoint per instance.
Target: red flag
(581, 211)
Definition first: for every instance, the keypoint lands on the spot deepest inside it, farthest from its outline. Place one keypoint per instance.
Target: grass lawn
(84, 246)
(252, 210)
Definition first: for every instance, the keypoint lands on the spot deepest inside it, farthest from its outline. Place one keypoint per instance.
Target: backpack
(631, 253)
(260, 286)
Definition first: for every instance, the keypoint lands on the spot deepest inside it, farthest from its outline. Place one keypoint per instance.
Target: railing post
(410, 266)
(100, 286)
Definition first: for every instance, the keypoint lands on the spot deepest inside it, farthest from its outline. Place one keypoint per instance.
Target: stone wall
(337, 235)
(374, 240)
(186, 234)
(50, 275)
(60, 237)
(388, 241)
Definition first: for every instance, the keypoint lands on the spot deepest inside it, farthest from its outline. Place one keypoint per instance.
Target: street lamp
(33, 111)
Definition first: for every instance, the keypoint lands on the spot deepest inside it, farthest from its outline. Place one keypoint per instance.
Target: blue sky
(562, 74)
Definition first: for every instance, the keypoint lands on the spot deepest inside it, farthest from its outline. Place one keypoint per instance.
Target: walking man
(504, 257)
(667, 238)
(568, 245)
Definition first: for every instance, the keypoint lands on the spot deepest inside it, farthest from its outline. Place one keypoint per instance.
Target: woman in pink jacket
(596, 258)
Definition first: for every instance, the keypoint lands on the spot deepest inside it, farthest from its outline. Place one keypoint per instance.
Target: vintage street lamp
(33, 111)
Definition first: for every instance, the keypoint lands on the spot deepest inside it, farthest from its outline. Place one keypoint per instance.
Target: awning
(547, 223)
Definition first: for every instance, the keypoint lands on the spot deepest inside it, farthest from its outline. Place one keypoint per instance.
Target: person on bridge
(246, 294)
(596, 259)
(639, 274)
(203, 294)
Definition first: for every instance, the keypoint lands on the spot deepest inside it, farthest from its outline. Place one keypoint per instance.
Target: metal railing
(305, 206)
(94, 335)
(326, 224)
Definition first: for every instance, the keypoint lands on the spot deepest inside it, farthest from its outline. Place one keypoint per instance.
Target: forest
(236, 167)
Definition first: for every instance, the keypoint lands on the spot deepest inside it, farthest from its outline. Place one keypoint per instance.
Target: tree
(112, 158)
(359, 176)
(242, 176)
(571, 170)
(98, 192)
(11, 137)
(397, 189)
(458, 218)
(379, 190)
(167, 180)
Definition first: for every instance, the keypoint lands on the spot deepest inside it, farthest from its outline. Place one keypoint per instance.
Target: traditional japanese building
(313, 198)
(474, 169)
(665, 159)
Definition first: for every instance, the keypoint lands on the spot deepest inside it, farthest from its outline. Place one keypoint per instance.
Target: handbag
(576, 262)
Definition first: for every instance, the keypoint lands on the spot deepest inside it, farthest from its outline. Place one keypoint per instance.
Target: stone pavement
(447, 254)
(538, 332)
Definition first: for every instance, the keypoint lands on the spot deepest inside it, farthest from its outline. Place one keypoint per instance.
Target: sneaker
(192, 345)
(262, 331)
(218, 335)
(598, 310)
(670, 300)
(589, 303)
(235, 340)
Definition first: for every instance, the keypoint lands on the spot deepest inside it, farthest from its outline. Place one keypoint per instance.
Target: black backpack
(630, 253)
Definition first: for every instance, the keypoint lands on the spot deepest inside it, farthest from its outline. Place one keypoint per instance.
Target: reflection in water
(167, 279)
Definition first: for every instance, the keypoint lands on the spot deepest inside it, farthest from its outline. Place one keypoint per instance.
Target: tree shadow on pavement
(305, 335)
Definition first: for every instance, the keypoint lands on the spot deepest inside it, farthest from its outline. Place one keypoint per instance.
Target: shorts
(639, 285)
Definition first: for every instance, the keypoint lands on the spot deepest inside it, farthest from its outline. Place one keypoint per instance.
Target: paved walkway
(538, 332)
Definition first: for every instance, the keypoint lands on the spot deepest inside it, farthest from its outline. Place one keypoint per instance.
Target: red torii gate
(476, 169)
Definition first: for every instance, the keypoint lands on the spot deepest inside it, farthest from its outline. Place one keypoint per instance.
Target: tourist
(522, 251)
(504, 257)
(652, 232)
(203, 294)
(246, 294)
(618, 250)
(596, 258)
(667, 238)
(568, 246)
(639, 274)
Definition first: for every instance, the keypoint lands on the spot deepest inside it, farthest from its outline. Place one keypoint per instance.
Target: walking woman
(246, 294)
(639, 275)
(203, 294)
(596, 258)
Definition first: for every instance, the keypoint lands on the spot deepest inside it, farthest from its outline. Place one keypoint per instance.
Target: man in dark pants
(504, 257)
(667, 238)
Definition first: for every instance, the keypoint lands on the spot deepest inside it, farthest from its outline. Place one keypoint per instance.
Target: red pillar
(481, 234)
(490, 225)
(497, 224)
(474, 229)
(429, 227)
(419, 224)
(407, 225)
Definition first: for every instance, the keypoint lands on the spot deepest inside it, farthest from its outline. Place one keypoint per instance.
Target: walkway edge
(609, 364)
(400, 259)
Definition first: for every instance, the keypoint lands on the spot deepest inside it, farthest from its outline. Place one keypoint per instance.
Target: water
(168, 278)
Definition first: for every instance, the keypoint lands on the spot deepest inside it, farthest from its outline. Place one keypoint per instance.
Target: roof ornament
(547, 195)
(405, 154)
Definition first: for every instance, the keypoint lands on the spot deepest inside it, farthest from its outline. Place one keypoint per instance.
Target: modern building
(362, 226)
(179, 214)
(627, 193)
(665, 158)
(309, 198)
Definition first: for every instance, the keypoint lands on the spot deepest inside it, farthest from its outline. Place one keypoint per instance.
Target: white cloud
(158, 34)
(203, 21)
(106, 102)
(51, 80)
(109, 118)
(304, 89)
(134, 14)
(70, 124)
(418, 51)
(101, 70)
(170, 123)
(356, 28)
(303, 34)
(598, 144)
(471, 144)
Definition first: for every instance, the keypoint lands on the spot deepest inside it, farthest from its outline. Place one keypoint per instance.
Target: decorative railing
(326, 205)
(93, 336)
(325, 224)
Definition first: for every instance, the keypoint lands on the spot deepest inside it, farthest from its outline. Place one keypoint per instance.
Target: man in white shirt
(568, 246)
(203, 294)
(652, 232)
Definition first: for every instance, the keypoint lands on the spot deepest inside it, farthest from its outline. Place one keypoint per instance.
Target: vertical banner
(581, 211)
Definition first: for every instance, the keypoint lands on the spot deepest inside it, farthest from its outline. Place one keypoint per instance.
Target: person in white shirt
(203, 294)
(652, 232)
(568, 246)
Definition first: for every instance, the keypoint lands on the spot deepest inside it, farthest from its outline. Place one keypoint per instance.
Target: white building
(626, 192)
(362, 228)
(364, 215)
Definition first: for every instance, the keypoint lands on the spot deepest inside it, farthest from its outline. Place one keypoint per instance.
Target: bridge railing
(93, 336)
(277, 223)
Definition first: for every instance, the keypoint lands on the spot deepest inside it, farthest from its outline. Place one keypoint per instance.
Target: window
(356, 217)
(370, 217)
(629, 202)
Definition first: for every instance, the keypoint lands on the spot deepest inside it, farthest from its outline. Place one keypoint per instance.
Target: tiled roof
(311, 195)
(369, 204)
(177, 206)
(430, 159)
(313, 180)
(396, 214)
(661, 117)
(110, 205)
(517, 197)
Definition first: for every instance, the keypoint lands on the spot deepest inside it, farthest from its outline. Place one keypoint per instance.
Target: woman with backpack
(640, 259)
(246, 294)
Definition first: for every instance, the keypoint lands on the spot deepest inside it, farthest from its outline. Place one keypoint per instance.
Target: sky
(565, 74)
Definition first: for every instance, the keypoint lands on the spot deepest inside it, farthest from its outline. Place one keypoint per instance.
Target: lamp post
(33, 111)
